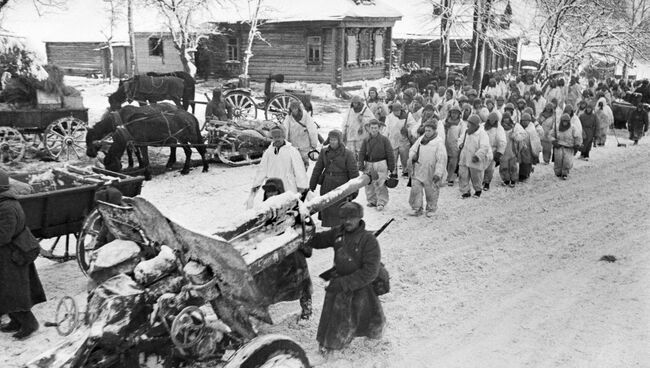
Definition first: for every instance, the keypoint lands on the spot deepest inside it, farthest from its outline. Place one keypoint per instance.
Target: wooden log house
(314, 41)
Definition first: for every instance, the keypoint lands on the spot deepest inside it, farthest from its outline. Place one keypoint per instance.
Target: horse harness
(121, 129)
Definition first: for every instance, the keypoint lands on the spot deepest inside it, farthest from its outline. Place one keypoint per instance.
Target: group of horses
(134, 128)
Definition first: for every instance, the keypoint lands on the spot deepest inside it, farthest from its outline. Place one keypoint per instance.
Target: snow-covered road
(512, 279)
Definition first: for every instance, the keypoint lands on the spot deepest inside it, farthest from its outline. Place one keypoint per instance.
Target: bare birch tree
(114, 15)
(485, 23)
(186, 33)
(256, 12)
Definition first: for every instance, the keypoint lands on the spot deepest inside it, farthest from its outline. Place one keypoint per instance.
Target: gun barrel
(322, 202)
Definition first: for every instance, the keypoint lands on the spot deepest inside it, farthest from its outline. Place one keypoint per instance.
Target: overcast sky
(82, 21)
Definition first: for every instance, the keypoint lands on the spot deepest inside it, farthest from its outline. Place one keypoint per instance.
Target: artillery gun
(166, 296)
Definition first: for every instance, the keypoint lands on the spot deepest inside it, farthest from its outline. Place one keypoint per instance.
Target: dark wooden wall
(121, 61)
(285, 52)
(75, 58)
(427, 54)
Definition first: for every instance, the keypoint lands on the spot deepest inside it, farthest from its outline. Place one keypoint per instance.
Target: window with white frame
(314, 50)
(232, 49)
(379, 46)
(351, 46)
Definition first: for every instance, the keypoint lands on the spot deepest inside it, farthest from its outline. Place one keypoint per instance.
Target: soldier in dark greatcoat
(335, 166)
(637, 123)
(20, 287)
(351, 307)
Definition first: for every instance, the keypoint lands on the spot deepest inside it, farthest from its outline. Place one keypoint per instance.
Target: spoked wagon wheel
(12, 145)
(243, 106)
(87, 240)
(278, 107)
(65, 139)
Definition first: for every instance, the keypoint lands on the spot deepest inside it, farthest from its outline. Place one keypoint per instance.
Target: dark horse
(156, 125)
(189, 86)
(143, 89)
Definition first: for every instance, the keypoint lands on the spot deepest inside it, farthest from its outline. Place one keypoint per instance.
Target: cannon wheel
(87, 240)
(188, 327)
(278, 107)
(65, 139)
(67, 316)
(12, 145)
(243, 105)
(270, 351)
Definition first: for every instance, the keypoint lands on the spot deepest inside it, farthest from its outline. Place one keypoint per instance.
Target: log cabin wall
(75, 58)
(287, 49)
(427, 54)
(315, 52)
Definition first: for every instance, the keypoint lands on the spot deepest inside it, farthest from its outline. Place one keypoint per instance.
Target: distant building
(418, 38)
(89, 58)
(333, 41)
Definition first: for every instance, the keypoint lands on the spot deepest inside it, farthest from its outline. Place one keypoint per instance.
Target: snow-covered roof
(419, 22)
(275, 11)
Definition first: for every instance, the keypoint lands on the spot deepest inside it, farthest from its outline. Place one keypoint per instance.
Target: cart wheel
(65, 139)
(278, 107)
(188, 327)
(12, 145)
(280, 353)
(67, 316)
(243, 106)
(87, 240)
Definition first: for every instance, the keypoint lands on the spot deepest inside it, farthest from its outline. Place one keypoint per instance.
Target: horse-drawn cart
(274, 103)
(62, 201)
(62, 132)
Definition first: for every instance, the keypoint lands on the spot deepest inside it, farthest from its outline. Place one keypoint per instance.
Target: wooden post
(339, 54)
(134, 65)
(388, 60)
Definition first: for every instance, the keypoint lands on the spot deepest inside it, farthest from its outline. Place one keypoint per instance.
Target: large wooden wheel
(278, 107)
(243, 106)
(12, 145)
(65, 139)
(87, 240)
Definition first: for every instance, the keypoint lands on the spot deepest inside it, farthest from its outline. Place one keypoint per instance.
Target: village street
(512, 279)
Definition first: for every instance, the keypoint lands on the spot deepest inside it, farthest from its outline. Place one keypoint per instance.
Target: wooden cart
(62, 132)
(61, 213)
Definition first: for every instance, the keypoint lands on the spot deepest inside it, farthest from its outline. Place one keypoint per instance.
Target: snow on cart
(167, 296)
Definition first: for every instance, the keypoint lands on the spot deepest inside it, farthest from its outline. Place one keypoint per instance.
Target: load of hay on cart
(46, 114)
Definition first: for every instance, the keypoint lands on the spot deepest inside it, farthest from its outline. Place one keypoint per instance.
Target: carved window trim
(351, 46)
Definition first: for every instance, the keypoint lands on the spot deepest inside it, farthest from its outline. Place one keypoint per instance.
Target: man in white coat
(301, 131)
(428, 167)
(355, 125)
(497, 136)
(280, 160)
(400, 127)
(475, 156)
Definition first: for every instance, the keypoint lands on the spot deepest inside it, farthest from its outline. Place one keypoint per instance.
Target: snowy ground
(512, 279)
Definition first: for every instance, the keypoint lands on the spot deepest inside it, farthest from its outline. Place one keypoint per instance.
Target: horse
(142, 88)
(189, 86)
(421, 78)
(153, 125)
